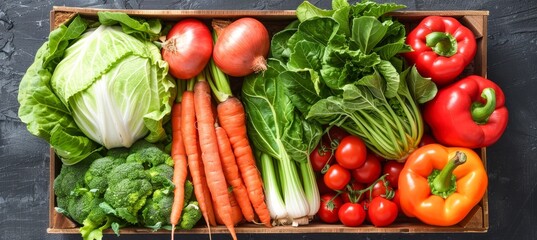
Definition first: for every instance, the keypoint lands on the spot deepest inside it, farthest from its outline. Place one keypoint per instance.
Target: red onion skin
(188, 48)
(242, 47)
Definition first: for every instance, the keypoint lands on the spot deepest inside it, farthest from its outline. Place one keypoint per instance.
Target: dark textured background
(512, 163)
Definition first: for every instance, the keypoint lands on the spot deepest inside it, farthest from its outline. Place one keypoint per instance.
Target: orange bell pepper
(440, 185)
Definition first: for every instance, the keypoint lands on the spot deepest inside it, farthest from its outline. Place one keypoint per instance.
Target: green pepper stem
(481, 112)
(443, 182)
(443, 44)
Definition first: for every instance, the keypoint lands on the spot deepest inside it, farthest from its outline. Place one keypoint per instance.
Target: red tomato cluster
(355, 184)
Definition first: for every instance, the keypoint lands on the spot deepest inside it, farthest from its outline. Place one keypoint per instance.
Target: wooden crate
(476, 221)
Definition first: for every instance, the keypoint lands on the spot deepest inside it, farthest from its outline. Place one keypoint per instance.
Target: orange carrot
(233, 177)
(232, 118)
(180, 170)
(236, 212)
(209, 153)
(195, 165)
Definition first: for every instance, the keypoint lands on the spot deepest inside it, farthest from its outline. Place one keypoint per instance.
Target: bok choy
(283, 140)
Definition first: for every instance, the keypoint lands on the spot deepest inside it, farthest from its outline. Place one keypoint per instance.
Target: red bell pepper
(441, 48)
(468, 113)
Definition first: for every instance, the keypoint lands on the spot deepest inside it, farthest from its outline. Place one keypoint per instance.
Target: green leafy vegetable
(341, 67)
(281, 134)
(97, 85)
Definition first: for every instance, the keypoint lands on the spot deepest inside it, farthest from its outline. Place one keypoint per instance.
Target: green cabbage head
(115, 85)
(96, 85)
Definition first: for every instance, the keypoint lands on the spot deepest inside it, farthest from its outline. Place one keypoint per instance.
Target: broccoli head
(70, 178)
(190, 216)
(161, 177)
(128, 188)
(80, 204)
(157, 209)
(148, 154)
(97, 175)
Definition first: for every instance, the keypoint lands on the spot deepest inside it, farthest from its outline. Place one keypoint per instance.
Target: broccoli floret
(161, 177)
(189, 191)
(148, 154)
(96, 221)
(190, 216)
(97, 175)
(128, 188)
(70, 178)
(80, 205)
(157, 210)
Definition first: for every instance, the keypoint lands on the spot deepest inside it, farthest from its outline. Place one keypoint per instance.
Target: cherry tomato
(382, 212)
(396, 199)
(355, 186)
(392, 168)
(369, 171)
(352, 214)
(330, 205)
(351, 152)
(319, 157)
(380, 189)
(337, 177)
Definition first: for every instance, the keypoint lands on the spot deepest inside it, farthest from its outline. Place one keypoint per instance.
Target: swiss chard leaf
(300, 89)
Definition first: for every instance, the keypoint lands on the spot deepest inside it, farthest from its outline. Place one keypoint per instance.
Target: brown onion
(242, 47)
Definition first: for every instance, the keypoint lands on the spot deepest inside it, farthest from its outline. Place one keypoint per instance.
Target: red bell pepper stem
(443, 183)
(443, 44)
(481, 112)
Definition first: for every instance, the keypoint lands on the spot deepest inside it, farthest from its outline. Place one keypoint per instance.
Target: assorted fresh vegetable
(161, 138)
(441, 48)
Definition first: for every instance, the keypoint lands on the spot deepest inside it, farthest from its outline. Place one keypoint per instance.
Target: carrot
(233, 177)
(232, 118)
(180, 170)
(236, 212)
(209, 153)
(195, 165)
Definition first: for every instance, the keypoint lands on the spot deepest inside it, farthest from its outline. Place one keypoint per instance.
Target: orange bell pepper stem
(440, 185)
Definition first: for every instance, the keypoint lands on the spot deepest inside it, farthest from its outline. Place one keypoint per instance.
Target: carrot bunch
(209, 141)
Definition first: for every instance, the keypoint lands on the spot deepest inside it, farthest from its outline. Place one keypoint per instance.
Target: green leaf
(421, 88)
(300, 88)
(390, 74)
(338, 4)
(367, 32)
(319, 30)
(71, 145)
(341, 16)
(279, 45)
(306, 11)
(144, 29)
(306, 55)
(378, 10)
